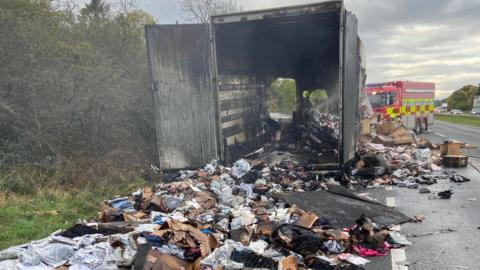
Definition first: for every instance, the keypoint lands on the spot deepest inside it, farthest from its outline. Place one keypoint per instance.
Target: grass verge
(51, 206)
(459, 119)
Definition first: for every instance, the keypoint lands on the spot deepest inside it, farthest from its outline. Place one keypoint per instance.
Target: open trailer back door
(351, 84)
(179, 59)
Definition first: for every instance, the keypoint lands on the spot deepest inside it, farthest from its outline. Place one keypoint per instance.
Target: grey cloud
(428, 40)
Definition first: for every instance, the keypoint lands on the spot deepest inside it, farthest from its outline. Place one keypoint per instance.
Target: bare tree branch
(200, 11)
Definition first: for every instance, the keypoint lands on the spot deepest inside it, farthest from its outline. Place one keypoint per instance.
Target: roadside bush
(73, 86)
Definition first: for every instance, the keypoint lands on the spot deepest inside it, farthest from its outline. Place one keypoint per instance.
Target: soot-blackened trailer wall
(184, 99)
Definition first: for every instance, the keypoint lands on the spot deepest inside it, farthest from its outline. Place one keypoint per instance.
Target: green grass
(459, 119)
(24, 218)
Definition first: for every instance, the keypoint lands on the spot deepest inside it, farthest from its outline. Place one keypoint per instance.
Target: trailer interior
(254, 49)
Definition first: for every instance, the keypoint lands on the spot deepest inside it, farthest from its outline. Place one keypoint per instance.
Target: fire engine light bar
(419, 90)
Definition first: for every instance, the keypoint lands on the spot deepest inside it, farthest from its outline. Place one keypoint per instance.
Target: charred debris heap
(251, 215)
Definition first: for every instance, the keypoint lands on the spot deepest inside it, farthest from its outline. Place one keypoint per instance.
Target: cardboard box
(455, 161)
(402, 140)
(386, 128)
(383, 139)
(399, 132)
(364, 139)
(306, 220)
(450, 149)
(289, 263)
(365, 127)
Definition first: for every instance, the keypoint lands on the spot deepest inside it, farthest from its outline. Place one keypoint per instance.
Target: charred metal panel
(350, 85)
(185, 102)
(242, 105)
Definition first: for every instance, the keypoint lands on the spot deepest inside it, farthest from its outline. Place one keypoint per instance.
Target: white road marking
(398, 255)
(398, 259)
(395, 228)
(439, 134)
(389, 188)
(391, 202)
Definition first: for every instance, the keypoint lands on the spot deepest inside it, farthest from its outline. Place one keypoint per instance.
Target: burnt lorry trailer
(209, 81)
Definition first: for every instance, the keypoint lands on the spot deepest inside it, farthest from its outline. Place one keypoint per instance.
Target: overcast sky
(427, 40)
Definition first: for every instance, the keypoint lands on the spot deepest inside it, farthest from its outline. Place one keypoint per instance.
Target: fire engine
(411, 102)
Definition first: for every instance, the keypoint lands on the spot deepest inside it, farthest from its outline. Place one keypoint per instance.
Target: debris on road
(239, 217)
(451, 155)
(441, 231)
(409, 165)
(424, 190)
(446, 194)
(419, 217)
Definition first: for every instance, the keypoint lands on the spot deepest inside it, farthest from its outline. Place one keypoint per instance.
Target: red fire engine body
(412, 102)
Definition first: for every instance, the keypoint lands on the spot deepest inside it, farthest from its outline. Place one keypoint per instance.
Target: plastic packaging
(122, 204)
(356, 260)
(240, 168)
(52, 254)
(397, 238)
(333, 246)
(423, 155)
(205, 218)
(171, 203)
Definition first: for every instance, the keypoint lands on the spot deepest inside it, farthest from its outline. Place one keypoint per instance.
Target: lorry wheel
(418, 127)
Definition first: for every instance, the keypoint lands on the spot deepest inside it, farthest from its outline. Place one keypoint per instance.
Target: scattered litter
(397, 238)
(446, 194)
(424, 190)
(442, 231)
(458, 178)
(356, 260)
(419, 217)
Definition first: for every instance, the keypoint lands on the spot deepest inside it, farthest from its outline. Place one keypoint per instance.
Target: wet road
(449, 237)
(468, 134)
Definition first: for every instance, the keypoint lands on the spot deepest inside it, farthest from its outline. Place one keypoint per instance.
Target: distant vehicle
(412, 102)
(442, 108)
(476, 106)
(475, 111)
(455, 111)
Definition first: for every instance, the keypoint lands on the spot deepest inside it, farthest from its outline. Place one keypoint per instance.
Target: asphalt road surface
(449, 237)
(468, 134)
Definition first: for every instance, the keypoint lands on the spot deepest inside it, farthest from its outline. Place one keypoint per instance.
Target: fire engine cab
(411, 102)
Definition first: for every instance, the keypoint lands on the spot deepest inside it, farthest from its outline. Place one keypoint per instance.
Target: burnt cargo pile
(221, 218)
(320, 132)
(393, 155)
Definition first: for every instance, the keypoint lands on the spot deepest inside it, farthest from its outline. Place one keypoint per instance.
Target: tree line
(462, 99)
(73, 82)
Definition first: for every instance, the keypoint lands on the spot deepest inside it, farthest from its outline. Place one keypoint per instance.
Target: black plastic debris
(78, 230)
(318, 264)
(446, 194)
(424, 190)
(426, 179)
(458, 178)
(298, 239)
(252, 260)
(341, 207)
(170, 177)
(320, 131)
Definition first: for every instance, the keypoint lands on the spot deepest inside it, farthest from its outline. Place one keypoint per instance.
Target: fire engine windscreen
(382, 99)
(252, 50)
